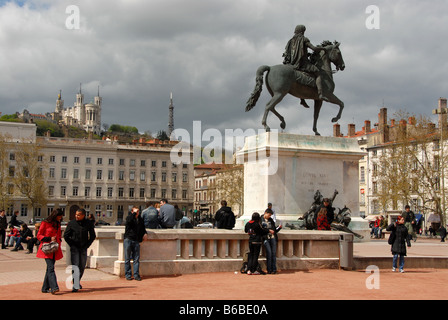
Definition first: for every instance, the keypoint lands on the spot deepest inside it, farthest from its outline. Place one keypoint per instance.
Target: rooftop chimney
(367, 127)
(351, 130)
(442, 116)
(336, 130)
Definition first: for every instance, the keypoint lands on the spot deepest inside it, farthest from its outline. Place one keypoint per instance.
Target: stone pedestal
(287, 169)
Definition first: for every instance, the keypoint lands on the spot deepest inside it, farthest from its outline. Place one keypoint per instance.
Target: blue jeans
(401, 261)
(131, 251)
(50, 281)
(271, 254)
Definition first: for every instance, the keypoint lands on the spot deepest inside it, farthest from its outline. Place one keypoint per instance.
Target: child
(399, 239)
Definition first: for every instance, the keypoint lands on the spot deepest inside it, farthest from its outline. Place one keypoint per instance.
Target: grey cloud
(207, 52)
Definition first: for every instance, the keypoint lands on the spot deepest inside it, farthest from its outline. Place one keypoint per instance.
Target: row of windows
(131, 192)
(111, 161)
(110, 175)
(38, 211)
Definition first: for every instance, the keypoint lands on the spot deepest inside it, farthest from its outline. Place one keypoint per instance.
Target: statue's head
(300, 29)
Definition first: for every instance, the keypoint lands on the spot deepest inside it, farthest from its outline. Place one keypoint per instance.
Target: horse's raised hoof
(335, 119)
(303, 103)
(283, 125)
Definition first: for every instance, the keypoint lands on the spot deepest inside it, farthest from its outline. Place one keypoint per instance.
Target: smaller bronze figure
(341, 219)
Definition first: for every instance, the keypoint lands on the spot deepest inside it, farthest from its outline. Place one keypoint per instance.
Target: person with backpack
(256, 233)
(224, 217)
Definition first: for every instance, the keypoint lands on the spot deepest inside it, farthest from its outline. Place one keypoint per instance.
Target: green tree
(162, 135)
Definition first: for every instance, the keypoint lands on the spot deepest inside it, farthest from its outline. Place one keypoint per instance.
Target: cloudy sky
(207, 51)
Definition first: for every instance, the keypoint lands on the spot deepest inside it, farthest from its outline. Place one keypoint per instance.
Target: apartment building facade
(107, 178)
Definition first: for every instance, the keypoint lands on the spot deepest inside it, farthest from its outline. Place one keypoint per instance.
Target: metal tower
(171, 116)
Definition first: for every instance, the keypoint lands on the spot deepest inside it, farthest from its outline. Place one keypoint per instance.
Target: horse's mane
(315, 56)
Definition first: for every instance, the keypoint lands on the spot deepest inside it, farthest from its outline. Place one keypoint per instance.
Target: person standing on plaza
(50, 231)
(224, 217)
(434, 220)
(167, 215)
(3, 226)
(256, 233)
(442, 232)
(270, 241)
(398, 239)
(79, 235)
(14, 221)
(150, 216)
(134, 234)
(409, 221)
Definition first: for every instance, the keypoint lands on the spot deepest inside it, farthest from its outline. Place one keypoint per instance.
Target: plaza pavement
(21, 277)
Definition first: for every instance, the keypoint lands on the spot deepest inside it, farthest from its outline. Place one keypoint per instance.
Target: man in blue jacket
(167, 215)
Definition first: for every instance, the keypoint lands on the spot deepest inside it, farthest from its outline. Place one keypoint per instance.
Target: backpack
(248, 228)
(179, 215)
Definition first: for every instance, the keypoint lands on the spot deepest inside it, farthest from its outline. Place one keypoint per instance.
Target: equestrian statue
(301, 75)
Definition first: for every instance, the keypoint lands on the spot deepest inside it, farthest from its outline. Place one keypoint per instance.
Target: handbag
(392, 237)
(50, 247)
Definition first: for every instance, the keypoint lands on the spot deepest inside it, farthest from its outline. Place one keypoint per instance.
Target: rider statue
(296, 54)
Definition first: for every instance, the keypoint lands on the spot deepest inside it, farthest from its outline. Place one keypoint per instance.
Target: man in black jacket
(134, 233)
(79, 235)
(224, 217)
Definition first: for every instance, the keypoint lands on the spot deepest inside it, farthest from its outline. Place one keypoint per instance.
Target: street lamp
(442, 111)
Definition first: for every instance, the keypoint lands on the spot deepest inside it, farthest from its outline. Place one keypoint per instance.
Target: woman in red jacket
(50, 230)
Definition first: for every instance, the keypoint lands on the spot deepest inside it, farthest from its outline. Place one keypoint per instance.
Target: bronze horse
(282, 79)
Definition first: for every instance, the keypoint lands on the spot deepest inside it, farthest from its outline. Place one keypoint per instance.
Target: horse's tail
(258, 87)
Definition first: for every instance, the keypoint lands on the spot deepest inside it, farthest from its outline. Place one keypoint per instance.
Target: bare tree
(6, 180)
(410, 167)
(230, 187)
(29, 175)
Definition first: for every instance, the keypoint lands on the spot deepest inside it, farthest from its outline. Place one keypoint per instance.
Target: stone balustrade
(181, 251)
